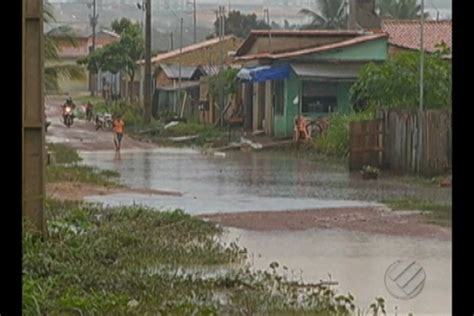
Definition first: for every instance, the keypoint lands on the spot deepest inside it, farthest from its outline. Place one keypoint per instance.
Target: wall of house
(284, 124)
(287, 43)
(372, 50)
(205, 56)
(162, 79)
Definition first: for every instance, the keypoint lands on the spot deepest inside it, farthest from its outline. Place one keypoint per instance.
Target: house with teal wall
(288, 74)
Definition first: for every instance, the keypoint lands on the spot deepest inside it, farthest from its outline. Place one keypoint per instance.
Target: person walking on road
(118, 131)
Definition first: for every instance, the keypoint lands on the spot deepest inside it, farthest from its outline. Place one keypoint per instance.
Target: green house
(287, 74)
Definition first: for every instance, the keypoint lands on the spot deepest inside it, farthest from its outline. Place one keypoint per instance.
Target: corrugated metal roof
(172, 71)
(327, 70)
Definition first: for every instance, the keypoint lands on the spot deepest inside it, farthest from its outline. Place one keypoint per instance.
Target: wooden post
(33, 115)
(147, 88)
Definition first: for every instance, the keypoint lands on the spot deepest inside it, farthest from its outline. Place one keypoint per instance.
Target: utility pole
(422, 52)
(171, 41)
(147, 105)
(180, 52)
(221, 40)
(33, 115)
(93, 22)
(266, 14)
(195, 23)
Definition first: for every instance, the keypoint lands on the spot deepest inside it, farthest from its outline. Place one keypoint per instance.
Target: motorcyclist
(68, 104)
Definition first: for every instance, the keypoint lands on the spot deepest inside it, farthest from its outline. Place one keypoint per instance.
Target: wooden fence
(413, 142)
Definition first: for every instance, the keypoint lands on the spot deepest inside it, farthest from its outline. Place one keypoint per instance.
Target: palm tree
(332, 15)
(52, 70)
(400, 9)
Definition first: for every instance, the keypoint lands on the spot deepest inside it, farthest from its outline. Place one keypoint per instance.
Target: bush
(396, 83)
(336, 140)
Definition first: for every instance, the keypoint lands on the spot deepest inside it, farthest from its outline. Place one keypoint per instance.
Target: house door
(248, 105)
(279, 120)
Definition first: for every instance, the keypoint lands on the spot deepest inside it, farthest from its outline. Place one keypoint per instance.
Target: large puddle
(247, 181)
(357, 261)
(264, 181)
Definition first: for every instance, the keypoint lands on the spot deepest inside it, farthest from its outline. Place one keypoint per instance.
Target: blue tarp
(264, 73)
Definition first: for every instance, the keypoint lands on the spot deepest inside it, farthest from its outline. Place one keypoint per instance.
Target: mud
(368, 220)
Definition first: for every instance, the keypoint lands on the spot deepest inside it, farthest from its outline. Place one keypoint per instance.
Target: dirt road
(82, 135)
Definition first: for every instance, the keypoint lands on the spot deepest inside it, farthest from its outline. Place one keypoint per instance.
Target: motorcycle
(68, 116)
(103, 121)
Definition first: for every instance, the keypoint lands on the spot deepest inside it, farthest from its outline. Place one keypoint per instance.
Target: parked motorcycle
(68, 116)
(103, 121)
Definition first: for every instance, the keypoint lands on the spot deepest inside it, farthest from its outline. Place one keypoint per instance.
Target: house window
(319, 97)
(279, 96)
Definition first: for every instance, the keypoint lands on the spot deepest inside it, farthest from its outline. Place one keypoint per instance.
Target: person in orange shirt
(118, 130)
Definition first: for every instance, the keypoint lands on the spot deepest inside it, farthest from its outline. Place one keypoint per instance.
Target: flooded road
(269, 182)
(357, 261)
(247, 182)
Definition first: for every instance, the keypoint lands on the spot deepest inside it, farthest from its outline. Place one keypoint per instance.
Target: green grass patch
(67, 169)
(437, 213)
(81, 174)
(140, 261)
(64, 154)
(207, 135)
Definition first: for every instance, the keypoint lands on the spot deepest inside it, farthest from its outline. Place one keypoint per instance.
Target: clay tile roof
(406, 34)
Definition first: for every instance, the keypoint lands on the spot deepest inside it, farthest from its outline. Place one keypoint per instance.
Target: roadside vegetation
(66, 168)
(136, 261)
(436, 213)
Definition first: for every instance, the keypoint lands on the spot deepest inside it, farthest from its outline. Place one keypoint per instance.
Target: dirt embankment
(78, 191)
(369, 220)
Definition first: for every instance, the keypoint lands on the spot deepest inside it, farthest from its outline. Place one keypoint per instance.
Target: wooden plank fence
(366, 144)
(413, 142)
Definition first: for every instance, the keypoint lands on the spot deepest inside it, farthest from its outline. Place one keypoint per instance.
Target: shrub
(396, 83)
(335, 141)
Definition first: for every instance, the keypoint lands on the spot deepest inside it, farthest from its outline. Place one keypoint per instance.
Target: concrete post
(33, 115)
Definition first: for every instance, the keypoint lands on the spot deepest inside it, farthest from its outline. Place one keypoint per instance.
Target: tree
(52, 70)
(241, 24)
(133, 46)
(396, 83)
(400, 9)
(121, 55)
(122, 25)
(332, 15)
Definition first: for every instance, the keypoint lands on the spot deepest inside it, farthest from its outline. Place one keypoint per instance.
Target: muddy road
(314, 217)
(82, 135)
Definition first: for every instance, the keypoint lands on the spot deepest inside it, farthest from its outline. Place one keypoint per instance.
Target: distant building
(74, 44)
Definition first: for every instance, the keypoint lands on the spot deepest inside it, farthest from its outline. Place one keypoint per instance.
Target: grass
(67, 169)
(139, 261)
(64, 154)
(81, 174)
(437, 213)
